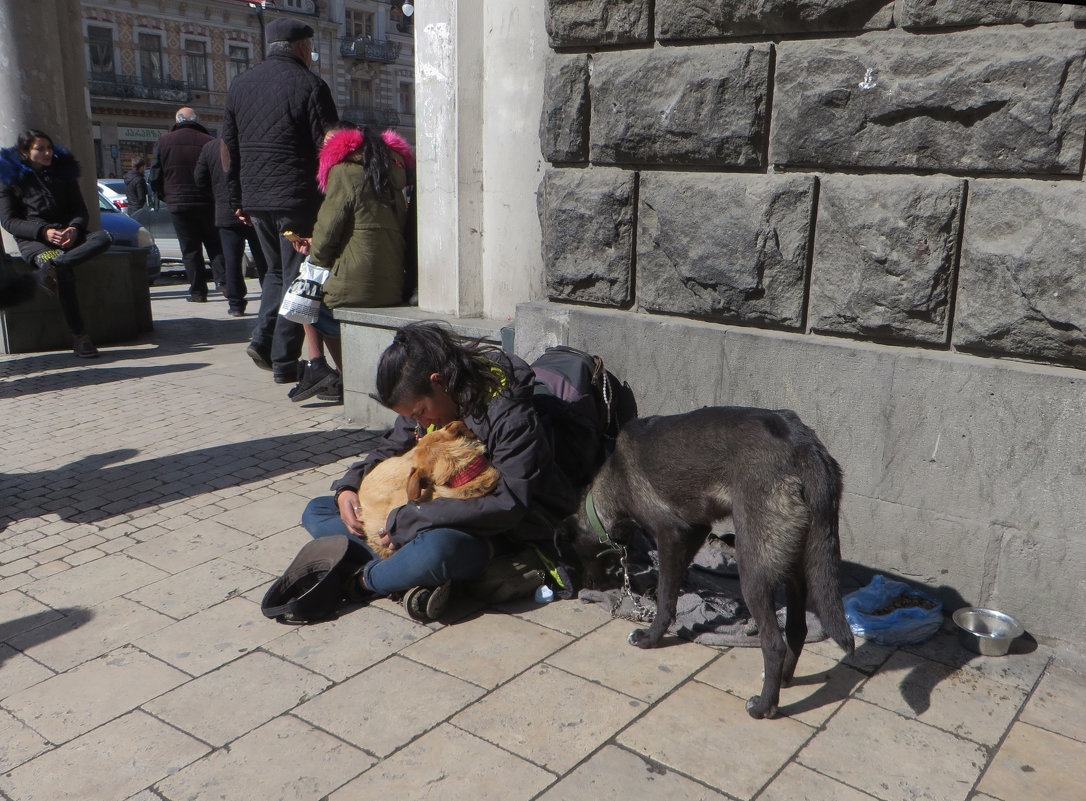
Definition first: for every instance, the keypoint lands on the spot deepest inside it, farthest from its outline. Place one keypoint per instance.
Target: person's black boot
(316, 378)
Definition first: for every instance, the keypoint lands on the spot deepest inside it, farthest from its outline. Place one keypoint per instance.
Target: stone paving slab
(148, 499)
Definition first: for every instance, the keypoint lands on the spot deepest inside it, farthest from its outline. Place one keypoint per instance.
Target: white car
(113, 189)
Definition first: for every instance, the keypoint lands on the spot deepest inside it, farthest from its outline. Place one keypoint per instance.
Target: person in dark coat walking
(233, 233)
(135, 187)
(172, 176)
(273, 125)
(42, 207)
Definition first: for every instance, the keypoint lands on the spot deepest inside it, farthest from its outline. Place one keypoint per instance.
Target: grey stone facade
(870, 212)
(894, 127)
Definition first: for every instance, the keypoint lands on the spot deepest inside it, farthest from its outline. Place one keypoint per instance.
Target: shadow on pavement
(170, 338)
(31, 384)
(33, 629)
(99, 486)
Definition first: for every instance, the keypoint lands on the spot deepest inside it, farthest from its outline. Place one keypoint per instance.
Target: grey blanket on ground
(710, 608)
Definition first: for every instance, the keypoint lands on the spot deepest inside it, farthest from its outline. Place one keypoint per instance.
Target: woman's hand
(301, 244)
(68, 237)
(347, 501)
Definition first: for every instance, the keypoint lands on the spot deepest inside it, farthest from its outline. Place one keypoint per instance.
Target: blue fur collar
(14, 169)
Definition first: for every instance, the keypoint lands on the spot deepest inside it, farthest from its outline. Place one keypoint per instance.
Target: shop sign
(139, 134)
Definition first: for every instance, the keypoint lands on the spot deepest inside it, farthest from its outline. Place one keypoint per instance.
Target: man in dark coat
(135, 187)
(233, 233)
(274, 123)
(191, 209)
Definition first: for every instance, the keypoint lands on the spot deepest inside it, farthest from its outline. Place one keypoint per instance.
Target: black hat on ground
(285, 29)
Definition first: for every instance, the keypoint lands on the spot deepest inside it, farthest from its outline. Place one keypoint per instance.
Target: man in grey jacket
(274, 123)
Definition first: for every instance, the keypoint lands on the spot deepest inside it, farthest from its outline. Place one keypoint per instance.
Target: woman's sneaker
(334, 393)
(426, 604)
(83, 347)
(316, 377)
(47, 271)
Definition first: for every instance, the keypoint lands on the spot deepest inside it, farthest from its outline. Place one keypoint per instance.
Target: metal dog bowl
(986, 631)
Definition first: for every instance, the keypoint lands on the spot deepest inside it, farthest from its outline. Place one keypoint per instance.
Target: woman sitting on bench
(42, 207)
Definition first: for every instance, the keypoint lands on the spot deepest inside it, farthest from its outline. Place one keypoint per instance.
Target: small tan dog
(448, 462)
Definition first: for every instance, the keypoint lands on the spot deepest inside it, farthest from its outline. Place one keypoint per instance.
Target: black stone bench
(114, 298)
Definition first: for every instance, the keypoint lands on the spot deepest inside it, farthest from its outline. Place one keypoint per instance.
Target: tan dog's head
(439, 456)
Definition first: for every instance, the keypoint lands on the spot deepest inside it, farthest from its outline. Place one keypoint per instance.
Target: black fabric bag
(583, 405)
(316, 584)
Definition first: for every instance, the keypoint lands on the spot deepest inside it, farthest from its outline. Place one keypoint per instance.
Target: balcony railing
(132, 87)
(380, 116)
(367, 48)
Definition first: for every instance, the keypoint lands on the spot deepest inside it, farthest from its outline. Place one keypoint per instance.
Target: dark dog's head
(600, 568)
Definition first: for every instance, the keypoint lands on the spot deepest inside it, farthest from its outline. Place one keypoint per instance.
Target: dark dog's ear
(418, 486)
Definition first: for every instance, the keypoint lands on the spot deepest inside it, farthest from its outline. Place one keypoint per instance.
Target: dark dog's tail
(822, 481)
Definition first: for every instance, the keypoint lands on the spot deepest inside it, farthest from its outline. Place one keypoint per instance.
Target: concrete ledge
(961, 473)
(367, 332)
(114, 299)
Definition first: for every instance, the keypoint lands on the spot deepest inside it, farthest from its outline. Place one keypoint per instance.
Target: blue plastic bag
(899, 627)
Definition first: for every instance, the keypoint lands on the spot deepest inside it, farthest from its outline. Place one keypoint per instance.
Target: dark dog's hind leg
(759, 598)
(795, 627)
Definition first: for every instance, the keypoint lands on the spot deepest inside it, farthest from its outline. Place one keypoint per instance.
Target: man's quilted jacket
(275, 119)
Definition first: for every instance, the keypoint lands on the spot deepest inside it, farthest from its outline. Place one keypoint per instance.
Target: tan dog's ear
(458, 428)
(418, 486)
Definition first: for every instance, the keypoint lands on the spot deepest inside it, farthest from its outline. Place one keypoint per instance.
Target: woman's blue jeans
(431, 559)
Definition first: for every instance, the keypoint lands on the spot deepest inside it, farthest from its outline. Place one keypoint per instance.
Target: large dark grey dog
(673, 477)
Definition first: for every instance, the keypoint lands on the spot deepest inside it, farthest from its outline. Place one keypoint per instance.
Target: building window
(150, 55)
(359, 24)
(196, 63)
(407, 97)
(100, 47)
(361, 93)
(238, 63)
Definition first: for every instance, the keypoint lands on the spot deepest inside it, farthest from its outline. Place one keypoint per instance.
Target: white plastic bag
(302, 300)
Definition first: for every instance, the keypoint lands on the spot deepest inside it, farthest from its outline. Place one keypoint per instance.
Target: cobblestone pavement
(148, 499)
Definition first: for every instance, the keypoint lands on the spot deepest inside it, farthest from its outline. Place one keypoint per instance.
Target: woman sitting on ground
(359, 237)
(42, 207)
(430, 376)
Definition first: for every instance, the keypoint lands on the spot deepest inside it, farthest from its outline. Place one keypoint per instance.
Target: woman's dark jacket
(517, 445)
(172, 168)
(211, 178)
(32, 201)
(273, 125)
(135, 186)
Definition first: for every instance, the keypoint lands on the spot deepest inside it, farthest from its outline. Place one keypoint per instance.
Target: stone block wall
(906, 173)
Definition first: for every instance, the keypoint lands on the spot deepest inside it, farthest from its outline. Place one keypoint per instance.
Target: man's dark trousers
(196, 232)
(275, 336)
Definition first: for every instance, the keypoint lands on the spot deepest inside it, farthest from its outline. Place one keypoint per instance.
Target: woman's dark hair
(27, 137)
(473, 372)
(377, 160)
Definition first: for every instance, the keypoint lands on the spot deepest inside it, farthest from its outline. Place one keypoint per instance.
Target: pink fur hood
(340, 145)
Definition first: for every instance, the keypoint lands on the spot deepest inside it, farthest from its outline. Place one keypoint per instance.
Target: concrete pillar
(449, 101)
(43, 80)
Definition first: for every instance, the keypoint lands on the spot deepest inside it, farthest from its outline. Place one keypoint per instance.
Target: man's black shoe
(261, 358)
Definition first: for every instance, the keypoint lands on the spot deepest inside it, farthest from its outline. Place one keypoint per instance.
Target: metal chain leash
(644, 614)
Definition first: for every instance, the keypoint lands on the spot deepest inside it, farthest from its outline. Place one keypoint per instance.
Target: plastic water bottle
(544, 594)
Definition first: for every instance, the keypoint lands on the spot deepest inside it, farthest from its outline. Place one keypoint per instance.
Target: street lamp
(259, 9)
